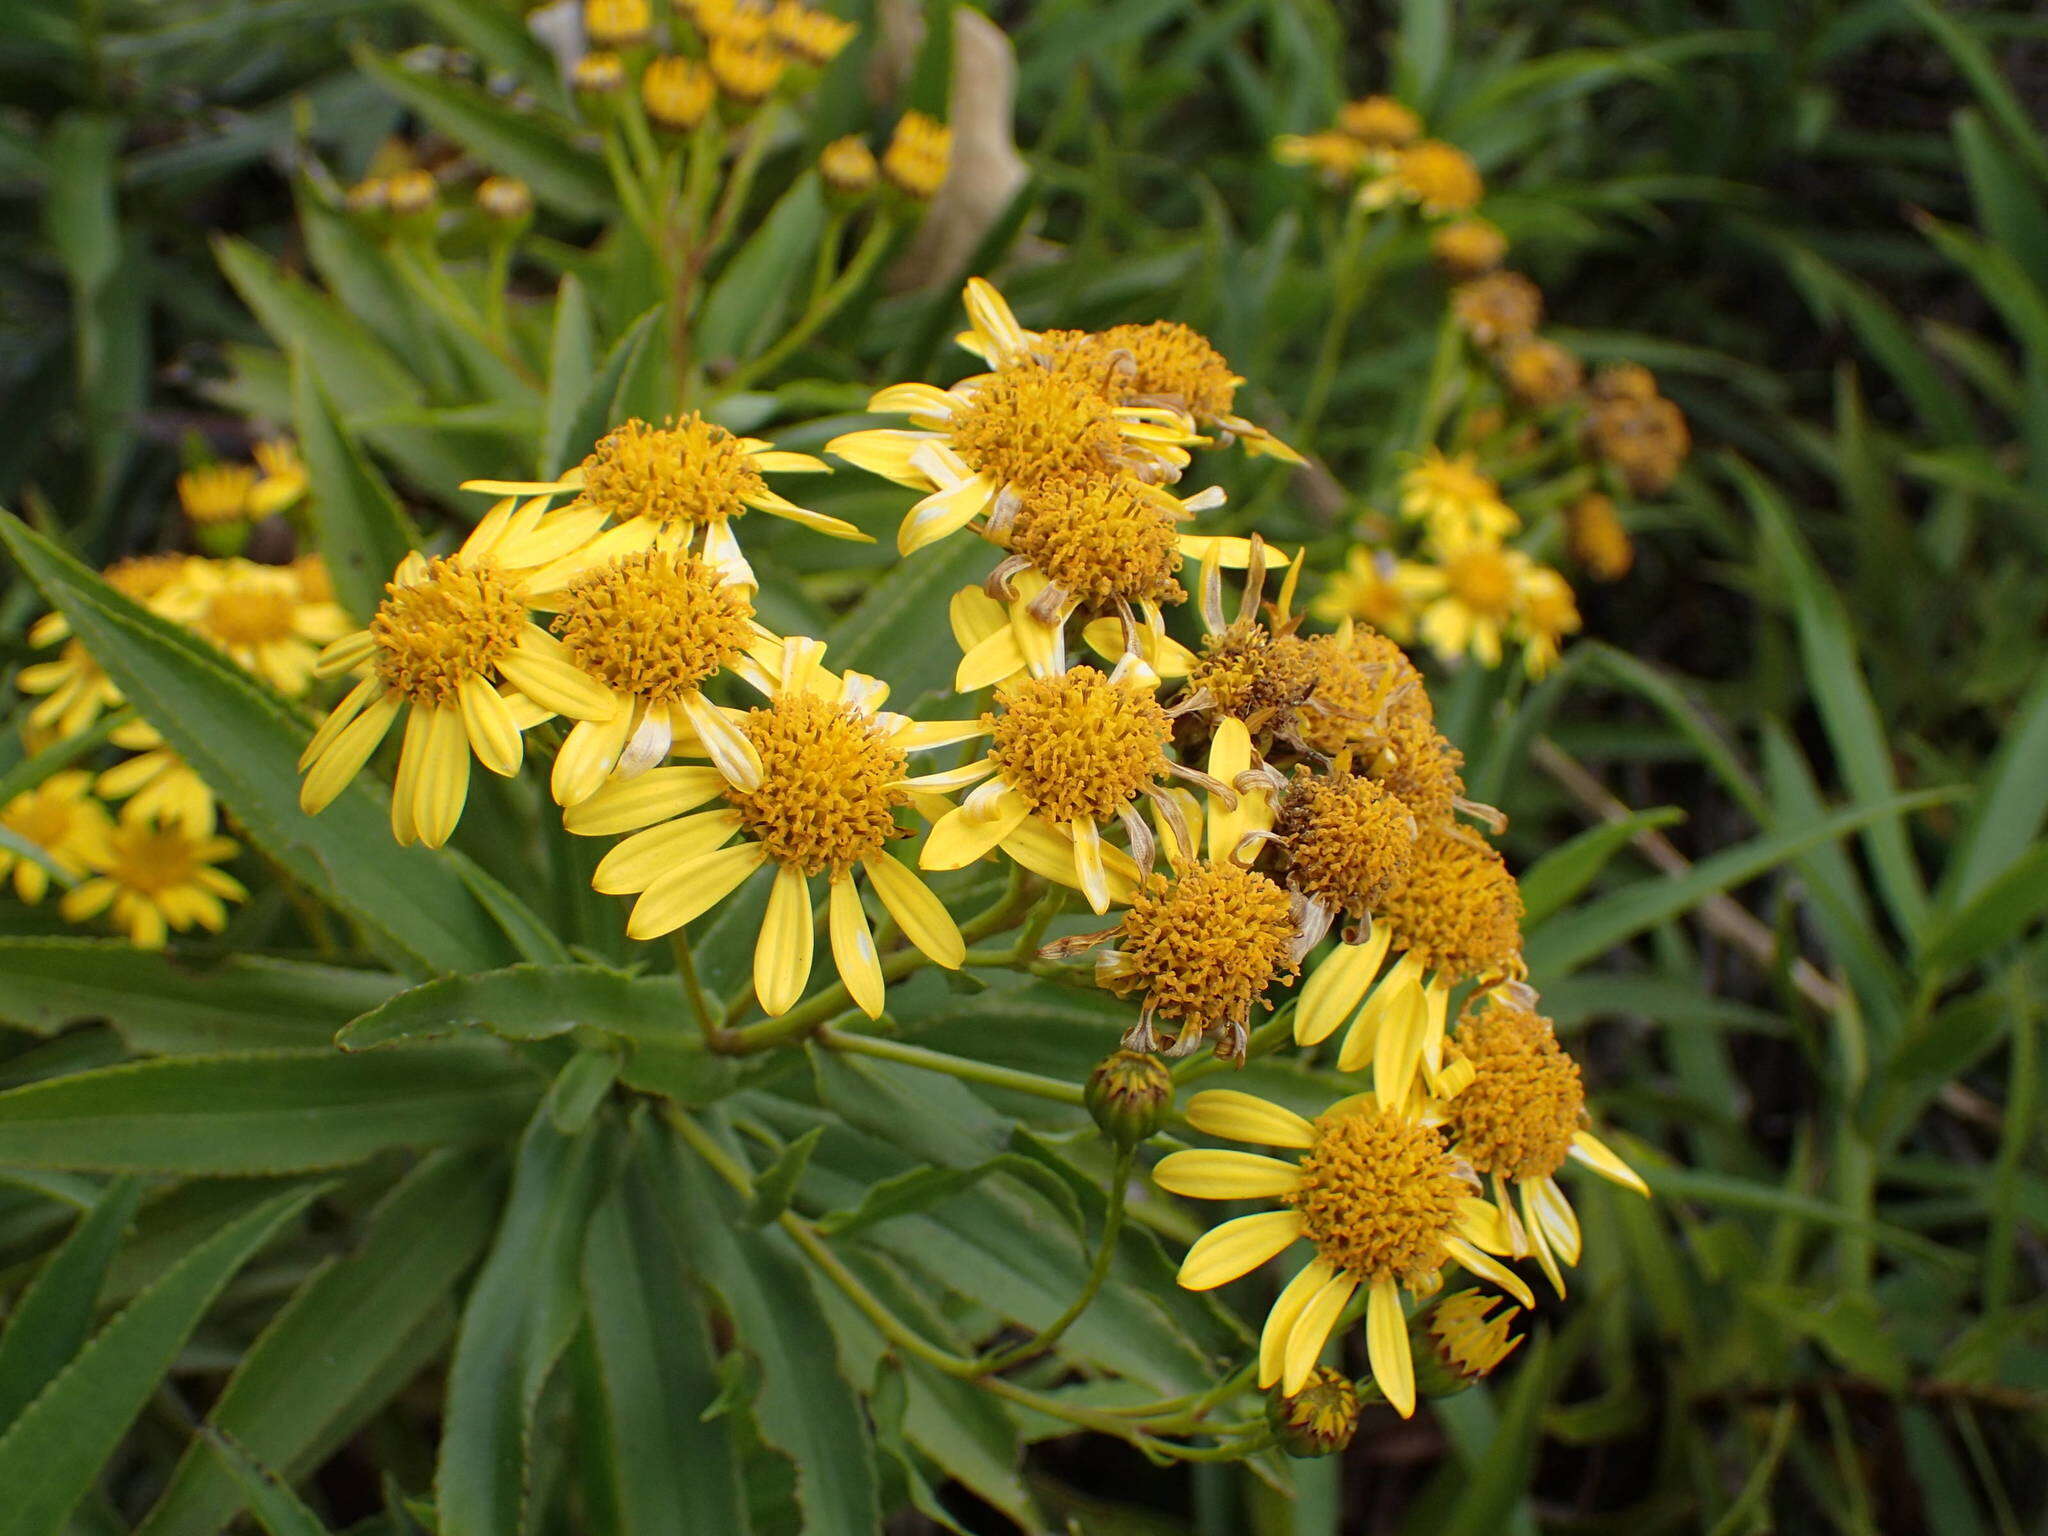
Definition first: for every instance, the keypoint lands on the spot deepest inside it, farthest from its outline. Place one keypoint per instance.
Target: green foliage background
(1812, 1004)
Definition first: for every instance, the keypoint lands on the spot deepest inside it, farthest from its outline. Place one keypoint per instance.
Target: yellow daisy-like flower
(617, 23)
(1646, 440)
(1162, 363)
(746, 21)
(75, 689)
(919, 155)
(1068, 753)
(1337, 157)
(747, 72)
(678, 93)
(653, 628)
(1379, 121)
(152, 878)
(260, 616)
(813, 36)
(1455, 916)
(157, 783)
(977, 447)
(283, 480)
(833, 773)
(216, 493)
(454, 648)
(62, 819)
(1549, 612)
(1348, 840)
(1471, 598)
(1464, 1341)
(1517, 1115)
(673, 487)
(1369, 698)
(1439, 178)
(847, 167)
(1454, 499)
(1366, 589)
(1468, 247)
(1377, 1194)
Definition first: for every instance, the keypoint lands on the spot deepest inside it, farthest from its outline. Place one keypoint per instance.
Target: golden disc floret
(255, 605)
(455, 622)
(1173, 363)
(1482, 578)
(829, 783)
(1421, 767)
(1205, 946)
(1256, 676)
(1077, 746)
(1024, 424)
(1099, 536)
(1525, 1102)
(654, 624)
(690, 471)
(1349, 841)
(1498, 306)
(1378, 1195)
(1458, 912)
(1363, 688)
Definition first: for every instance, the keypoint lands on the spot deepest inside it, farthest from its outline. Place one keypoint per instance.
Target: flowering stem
(823, 307)
(1105, 1253)
(1360, 254)
(985, 1073)
(693, 990)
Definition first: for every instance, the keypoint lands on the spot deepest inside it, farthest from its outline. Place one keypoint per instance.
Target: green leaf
(263, 1111)
(573, 1097)
(936, 1119)
(806, 1408)
(530, 1002)
(1570, 939)
(1988, 80)
(163, 1006)
(314, 1372)
(744, 309)
(775, 1184)
(573, 430)
(362, 531)
(48, 1457)
(888, 1402)
(675, 1470)
(277, 1509)
(1850, 1328)
(2011, 802)
(919, 1189)
(1493, 1474)
(2001, 912)
(522, 1310)
(572, 359)
(537, 148)
(242, 741)
(54, 1315)
(1554, 881)
(354, 368)
(1723, 1189)
(888, 631)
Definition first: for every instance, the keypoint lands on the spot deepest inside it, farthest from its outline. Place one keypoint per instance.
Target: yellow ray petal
(1217, 1175)
(1335, 987)
(1486, 1267)
(995, 658)
(782, 955)
(1237, 1116)
(960, 837)
(884, 451)
(730, 749)
(1483, 1223)
(1285, 1313)
(943, 512)
(352, 704)
(489, 726)
(587, 756)
(1596, 1155)
(919, 735)
(640, 860)
(442, 784)
(540, 668)
(1236, 1248)
(624, 805)
(921, 915)
(853, 946)
(1312, 1330)
(1230, 754)
(1230, 552)
(1560, 1222)
(411, 753)
(691, 889)
(1386, 1344)
(1386, 1009)
(1045, 850)
(1088, 865)
(346, 753)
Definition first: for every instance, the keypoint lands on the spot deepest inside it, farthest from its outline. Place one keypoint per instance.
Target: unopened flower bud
(747, 73)
(919, 153)
(847, 167)
(505, 200)
(1456, 1341)
(616, 23)
(411, 194)
(677, 93)
(1468, 247)
(369, 199)
(598, 80)
(1320, 1419)
(1130, 1095)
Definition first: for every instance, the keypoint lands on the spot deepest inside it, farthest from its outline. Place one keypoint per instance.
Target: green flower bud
(1320, 1419)
(1129, 1095)
(1456, 1342)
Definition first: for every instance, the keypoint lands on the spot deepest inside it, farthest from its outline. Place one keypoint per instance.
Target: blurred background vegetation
(1825, 227)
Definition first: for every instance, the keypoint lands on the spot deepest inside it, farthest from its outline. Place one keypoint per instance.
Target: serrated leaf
(362, 531)
(527, 1002)
(54, 1315)
(775, 1184)
(240, 738)
(936, 1119)
(174, 1005)
(354, 1316)
(48, 1457)
(525, 1305)
(277, 1509)
(263, 1112)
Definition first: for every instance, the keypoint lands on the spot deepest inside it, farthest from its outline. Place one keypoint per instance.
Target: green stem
(1105, 1255)
(848, 283)
(1359, 250)
(693, 990)
(828, 256)
(968, 1071)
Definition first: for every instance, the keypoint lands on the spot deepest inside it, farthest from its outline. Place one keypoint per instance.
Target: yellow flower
(1471, 598)
(1598, 539)
(1541, 373)
(1517, 1114)
(832, 774)
(1440, 178)
(155, 877)
(1348, 841)
(1468, 247)
(1498, 307)
(283, 480)
(616, 23)
(1455, 916)
(670, 488)
(260, 616)
(748, 72)
(1646, 440)
(1548, 614)
(454, 648)
(157, 783)
(847, 166)
(1454, 498)
(745, 21)
(1162, 363)
(815, 37)
(505, 200)
(677, 93)
(1379, 121)
(1376, 1193)
(1368, 695)
(216, 493)
(1068, 753)
(652, 628)
(1366, 590)
(62, 819)
(981, 444)
(1464, 1341)
(1336, 157)
(74, 687)
(919, 155)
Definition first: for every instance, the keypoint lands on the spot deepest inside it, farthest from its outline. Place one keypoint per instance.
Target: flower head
(282, 479)
(1645, 440)
(1320, 1419)
(616, 23)
(847, 166)
(74, 688)
(1440, 178)
(60, 818)
(1541, 373)
(1468, 247)
(1498, 307)
(1599, 541)
(1348, 840)
(1548, 613)
(216, 493)
(1471, 598)
(677, 92)
(260, 616)
(1366, 590)
(1376, 1193)
(746, 72)
(1380, 122)
(919, 154)
(155, 877)
(1453, 498)
(811, 36)
(1337, 157)
(1460, 1340)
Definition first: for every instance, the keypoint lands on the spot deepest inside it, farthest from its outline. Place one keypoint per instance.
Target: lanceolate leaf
(49, 1455)
(55, 1313)
(243, 742)
(354, 368)
(307, 1373)
(362, 530)
(528, 1002)
(525, 1305)
(260, 1112)
(277, 1509)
